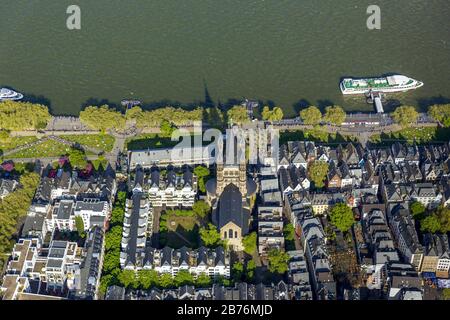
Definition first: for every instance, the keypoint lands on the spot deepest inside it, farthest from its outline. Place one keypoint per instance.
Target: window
(225, 235)
(230, 233)
(235, 234)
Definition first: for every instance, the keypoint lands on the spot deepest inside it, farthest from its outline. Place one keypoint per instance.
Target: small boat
(8, 94)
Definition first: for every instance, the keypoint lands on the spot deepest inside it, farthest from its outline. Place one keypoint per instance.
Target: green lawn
(316, 135)
(419, 135)
(180, 229)
(15, 142)
(103, 142)
(49, 148)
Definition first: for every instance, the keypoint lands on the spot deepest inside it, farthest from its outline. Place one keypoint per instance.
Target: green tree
(441, 113)
(443, 215)
(105, 282)
(249, 243)
(102, 118)
(250, 270)
(317, 173)
(335, 115)
(166, 280)
(127, 278)
(79, 224)
(203, 281)
(289, 232)
(15, 115)
(201, 173)
(238, 115)
(237, 271)
(201, 208)
(342, 217)
(117, 216)
(405, 115)
(77, 158)
(417, 209)
(13, 209)
(275, 114)
(311, 115)
(278, 261)
(430, 224)
(133, 113)
(210, 236)
(167, 129)
(113, 238)
(182, 278)
(111, 261)
(147, 278)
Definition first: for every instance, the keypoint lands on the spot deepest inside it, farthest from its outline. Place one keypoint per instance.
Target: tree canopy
(438, 221)
(79, 224)
(334, 115)
(278, 261)
(77, 158)
(311, 115)
(203, 280)
(317, 173)
(167, 128)
(183, 277)
(16, 115)
(153, 118)
(289, 232)
(102, 118)
(417, 209)
(249, 243)
(430, 224)
(405, 115)
(210, 236)
(201, 208)
(342, 217)
(275, 114)
(14, 207)
(441, 113)
(238, 115)
(201, 172)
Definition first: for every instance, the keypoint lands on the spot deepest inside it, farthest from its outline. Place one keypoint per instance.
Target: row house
(322, 202)
(436, 257)
(297, 205)
(62, 184)
(239, 292)
(403, 282)
(136, 231)
(270, 229)
(378, 235)
(314, 241)
(297, 153)
(299, 275)
(403, 227)
(212, 262)
(171, 188)
(293, 179)
(405, 153)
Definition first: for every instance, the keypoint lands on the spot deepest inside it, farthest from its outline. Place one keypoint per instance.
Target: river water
(284, 52)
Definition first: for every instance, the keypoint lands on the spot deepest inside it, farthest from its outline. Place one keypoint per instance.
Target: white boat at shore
(8, 94)
(395, 83)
